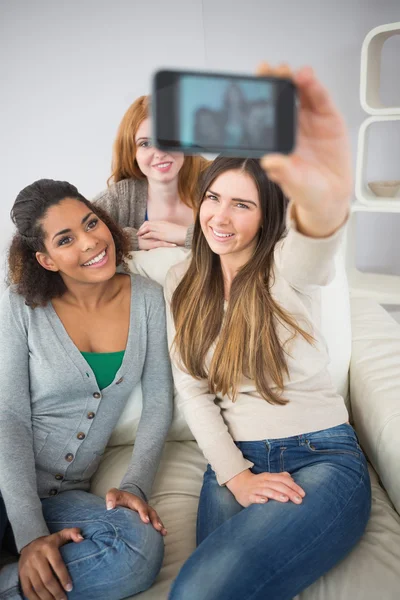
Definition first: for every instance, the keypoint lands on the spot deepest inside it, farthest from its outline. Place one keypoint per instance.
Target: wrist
(312, 224)
(237, 481)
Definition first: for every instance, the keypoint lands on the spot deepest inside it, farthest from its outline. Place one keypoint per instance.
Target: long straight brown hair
(248, 343)
(124, 164)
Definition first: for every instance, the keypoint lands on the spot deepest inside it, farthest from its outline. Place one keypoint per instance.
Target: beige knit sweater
(302, 265)
(126, 202)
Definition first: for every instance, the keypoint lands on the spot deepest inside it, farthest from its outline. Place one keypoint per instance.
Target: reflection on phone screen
(225, 113)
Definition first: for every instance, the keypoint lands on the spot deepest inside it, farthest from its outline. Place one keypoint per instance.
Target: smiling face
(78, 244)
(230, 216)
(157, 165)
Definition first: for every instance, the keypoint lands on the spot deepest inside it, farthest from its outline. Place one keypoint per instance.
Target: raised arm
(157, 391)
(306, 261)
(202, 415)
(316, 177)
(18, 485)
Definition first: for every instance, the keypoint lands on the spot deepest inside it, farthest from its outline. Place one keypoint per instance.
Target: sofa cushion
(375, 390)
(370, 571)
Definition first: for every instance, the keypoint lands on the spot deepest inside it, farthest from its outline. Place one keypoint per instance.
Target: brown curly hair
(36, 284)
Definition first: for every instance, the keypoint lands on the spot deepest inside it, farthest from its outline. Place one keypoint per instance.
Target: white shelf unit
(385, 289)
(363, 194)
(371, 70)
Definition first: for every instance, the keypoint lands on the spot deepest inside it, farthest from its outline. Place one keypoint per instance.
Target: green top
(104, 365)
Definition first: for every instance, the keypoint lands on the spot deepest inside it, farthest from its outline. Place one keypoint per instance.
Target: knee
(140, 548)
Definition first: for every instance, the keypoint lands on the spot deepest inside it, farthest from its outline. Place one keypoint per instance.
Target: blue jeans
(275, 550)
(119, 557)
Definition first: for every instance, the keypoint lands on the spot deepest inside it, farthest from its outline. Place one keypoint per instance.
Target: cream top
(302, 265)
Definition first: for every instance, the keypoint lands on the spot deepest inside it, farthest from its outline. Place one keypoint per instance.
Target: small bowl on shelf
(387, 189)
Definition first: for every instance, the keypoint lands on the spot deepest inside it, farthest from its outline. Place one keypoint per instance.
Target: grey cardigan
(126, 202)
(55, 421)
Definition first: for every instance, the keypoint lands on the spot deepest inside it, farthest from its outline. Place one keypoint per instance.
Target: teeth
(163, 165)
(222, 235)
(96, 259)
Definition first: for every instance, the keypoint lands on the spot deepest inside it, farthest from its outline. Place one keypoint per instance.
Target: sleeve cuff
(132, 232)
(189, 236)
(28, 528)
(132, 488)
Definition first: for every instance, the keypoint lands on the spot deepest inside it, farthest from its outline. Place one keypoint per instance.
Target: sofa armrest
(375, 390)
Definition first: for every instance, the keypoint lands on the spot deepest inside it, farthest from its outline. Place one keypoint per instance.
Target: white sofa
(365, 363)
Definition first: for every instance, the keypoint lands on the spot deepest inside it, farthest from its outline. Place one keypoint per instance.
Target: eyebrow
(68, 230)
(142, 138)
(234, 199)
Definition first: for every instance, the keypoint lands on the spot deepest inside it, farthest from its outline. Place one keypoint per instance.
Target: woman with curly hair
(76, 339)
(152, 193)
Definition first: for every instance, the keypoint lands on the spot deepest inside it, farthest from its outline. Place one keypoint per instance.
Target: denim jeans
(119, 557)
(275, 550)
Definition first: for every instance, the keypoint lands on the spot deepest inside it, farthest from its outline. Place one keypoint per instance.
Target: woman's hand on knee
(258, 489)
(117, 497)
(42, 571)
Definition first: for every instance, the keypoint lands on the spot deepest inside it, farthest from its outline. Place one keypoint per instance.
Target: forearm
(18, 483)
(322, 224)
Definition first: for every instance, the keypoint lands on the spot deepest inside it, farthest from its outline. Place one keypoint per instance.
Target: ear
(46, 262)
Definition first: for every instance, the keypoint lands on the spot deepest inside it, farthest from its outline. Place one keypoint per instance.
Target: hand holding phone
(317, 176)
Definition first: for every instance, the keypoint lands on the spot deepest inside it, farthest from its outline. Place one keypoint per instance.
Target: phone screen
(236, 115)
(226, 113)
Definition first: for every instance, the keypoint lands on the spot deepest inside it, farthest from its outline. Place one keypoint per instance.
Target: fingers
(145, 228)
(27, 589)
(152, 235)
(258, 499)
(112, 498)
(38, 587)
(288, 171)
(279, 492)
(61, 571)
(150, 244)
(156, 522)
(147, 514)
(116, 498)
(51, 586)
(312, 93)
(283, 70)
(71, 534)
(289, 482)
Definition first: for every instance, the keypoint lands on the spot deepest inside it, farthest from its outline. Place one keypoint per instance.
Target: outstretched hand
(116, 497)
(317, 176)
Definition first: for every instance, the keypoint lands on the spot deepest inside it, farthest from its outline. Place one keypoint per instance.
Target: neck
(164, 193)
(90, 296)
(230, 265)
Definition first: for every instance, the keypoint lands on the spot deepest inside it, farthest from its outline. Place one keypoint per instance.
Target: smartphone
(233, 115)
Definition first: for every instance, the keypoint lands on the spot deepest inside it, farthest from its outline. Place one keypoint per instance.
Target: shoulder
(175, 276)
(150, 291)
(125, 189)
(14, 311)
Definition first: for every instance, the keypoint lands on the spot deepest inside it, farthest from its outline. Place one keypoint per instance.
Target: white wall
(69, 70)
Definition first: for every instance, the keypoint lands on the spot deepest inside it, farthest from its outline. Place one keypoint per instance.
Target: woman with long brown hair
(286, 493)
(151, 193)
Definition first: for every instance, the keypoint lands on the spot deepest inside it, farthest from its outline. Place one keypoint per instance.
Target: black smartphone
(234, 115)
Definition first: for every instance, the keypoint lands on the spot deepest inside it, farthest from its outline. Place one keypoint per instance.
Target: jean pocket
(346, 444)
